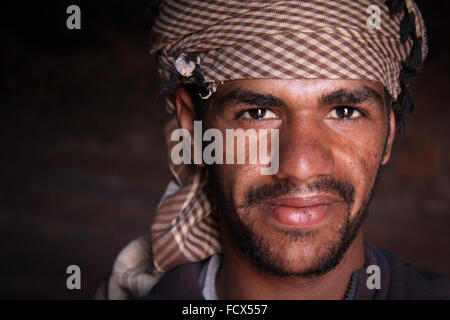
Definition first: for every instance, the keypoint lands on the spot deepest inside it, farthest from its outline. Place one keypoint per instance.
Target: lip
(302, 212)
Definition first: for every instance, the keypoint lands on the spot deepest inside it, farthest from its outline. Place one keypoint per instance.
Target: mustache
(257, 194)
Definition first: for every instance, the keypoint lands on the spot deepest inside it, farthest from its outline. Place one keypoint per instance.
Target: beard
(289, 252)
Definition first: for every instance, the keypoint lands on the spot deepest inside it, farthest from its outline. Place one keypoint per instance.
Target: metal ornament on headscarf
(209, 42)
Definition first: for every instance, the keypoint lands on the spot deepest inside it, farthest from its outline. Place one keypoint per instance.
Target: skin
(314, 142)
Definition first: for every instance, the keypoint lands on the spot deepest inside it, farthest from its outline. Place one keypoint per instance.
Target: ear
(185, 109)
(186, 117)
(390, 139)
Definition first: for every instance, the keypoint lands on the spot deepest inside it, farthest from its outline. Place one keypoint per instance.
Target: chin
(288, 252)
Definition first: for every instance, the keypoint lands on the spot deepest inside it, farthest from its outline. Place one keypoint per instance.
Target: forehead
(296, 88)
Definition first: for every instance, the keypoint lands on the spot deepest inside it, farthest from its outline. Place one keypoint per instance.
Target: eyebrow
(351, 96)
(338, 97)
(249, 98)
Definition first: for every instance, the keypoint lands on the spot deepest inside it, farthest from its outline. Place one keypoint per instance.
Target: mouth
(302, 212)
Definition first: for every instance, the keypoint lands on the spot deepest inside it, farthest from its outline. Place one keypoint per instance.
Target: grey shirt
(207, 280)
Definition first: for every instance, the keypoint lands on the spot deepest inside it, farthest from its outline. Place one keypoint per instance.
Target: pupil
(257, 113)
(344, 112)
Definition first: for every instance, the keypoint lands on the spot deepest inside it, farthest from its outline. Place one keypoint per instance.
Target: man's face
(332, 141)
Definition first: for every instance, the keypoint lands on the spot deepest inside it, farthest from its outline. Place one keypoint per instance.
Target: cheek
(358, 160)
(236, 180)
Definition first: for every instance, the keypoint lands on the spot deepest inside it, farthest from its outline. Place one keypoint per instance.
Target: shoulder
(409, 282)
(180, 283)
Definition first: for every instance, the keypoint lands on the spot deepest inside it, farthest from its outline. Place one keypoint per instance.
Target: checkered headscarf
(208, 42)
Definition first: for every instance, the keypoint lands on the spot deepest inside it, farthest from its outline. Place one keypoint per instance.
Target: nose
(305, 151)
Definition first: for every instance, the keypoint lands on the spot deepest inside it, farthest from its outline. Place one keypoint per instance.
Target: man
(330, 80)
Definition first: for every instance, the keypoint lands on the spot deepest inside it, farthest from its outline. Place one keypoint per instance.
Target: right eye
(259, 114)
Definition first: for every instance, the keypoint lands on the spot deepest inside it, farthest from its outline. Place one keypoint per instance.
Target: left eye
(259, 113)
(344, 113)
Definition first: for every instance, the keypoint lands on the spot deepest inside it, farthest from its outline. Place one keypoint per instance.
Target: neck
(239, 279)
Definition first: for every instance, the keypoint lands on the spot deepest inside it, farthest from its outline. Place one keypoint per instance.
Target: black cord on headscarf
(411, 67)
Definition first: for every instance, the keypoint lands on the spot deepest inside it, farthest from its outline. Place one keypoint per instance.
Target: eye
(259, 113)
(344, 113)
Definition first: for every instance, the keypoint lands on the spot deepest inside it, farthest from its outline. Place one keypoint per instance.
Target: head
(336, 117)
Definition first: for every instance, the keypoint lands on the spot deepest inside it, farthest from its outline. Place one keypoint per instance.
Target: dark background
(83, 158)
